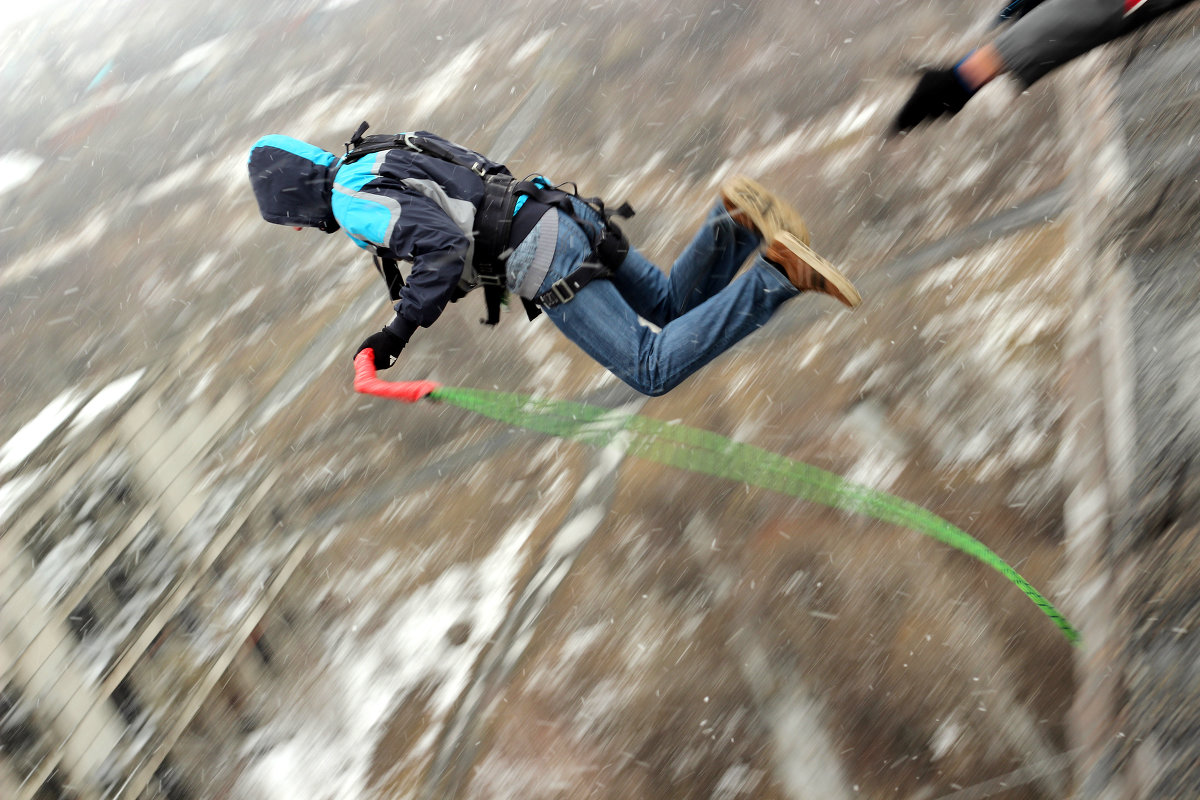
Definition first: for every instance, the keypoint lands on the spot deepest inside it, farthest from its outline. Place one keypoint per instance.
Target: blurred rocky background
(225, 575)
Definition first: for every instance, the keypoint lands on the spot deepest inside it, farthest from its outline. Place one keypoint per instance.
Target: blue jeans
(699, 309)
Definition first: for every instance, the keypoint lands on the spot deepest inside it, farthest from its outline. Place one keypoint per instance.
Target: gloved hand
(940, 91)
(385, 344)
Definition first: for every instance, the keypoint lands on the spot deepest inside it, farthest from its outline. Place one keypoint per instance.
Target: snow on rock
(38, 430)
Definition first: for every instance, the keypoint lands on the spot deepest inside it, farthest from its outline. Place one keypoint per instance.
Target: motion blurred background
(225, 575)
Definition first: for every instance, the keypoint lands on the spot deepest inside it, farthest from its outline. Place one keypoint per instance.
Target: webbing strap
(564, 290)
(608, 251)
(390, 271)
(360, 146)
(494, 224)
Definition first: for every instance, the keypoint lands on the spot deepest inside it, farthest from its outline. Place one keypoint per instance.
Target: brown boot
(753, 206)
(807, 271)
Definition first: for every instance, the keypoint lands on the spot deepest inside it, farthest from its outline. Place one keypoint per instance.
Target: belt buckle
(562, 290)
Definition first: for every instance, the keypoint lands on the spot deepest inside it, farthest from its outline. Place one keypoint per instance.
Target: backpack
(493, 222)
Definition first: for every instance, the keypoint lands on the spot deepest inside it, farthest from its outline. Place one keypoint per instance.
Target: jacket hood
(292, 182)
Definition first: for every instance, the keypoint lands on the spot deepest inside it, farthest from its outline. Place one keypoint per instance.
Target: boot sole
(845, 291)
(767, 212)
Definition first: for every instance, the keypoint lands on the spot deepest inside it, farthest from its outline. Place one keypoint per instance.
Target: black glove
(938, 92)
(387, 347)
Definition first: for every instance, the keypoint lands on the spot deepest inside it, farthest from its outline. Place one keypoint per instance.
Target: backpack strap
(565, 289)
(390, 271)
(360, 146)
(494, 224)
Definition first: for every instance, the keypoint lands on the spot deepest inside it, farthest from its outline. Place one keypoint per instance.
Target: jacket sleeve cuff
(401, 328)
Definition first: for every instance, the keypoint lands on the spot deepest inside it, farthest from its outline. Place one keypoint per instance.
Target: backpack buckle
(356, 138)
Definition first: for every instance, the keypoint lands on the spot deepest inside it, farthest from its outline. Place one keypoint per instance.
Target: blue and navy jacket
(395, 203)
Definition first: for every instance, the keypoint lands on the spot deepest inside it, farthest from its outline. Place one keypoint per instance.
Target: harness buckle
(356, 139)
(562, 290)
(489, 280)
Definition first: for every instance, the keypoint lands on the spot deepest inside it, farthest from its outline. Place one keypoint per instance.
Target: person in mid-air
(1038, 36)
(462, 221)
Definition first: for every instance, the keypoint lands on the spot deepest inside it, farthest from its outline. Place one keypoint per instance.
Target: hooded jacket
(292, 182)
(396, 203)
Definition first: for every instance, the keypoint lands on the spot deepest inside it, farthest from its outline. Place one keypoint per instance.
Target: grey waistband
(547, 230)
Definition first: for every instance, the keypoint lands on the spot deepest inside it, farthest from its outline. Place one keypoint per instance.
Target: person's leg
(747, 216)
(706, 266)
(602, 322)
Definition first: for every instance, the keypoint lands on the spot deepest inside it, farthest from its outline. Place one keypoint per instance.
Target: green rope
(711, 454)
